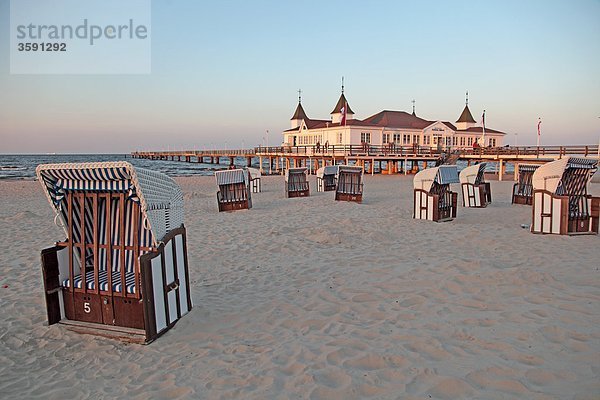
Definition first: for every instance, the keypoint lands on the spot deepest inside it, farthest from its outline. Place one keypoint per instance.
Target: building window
(365, 137)
(469, 141)
(405, 139)
(385, 138)
(493, 142)
(462, 140)
(454, 141)
(415, 139)
(426, 140)
(396, 138)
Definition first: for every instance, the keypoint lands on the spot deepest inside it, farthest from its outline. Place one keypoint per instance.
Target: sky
(225, 74)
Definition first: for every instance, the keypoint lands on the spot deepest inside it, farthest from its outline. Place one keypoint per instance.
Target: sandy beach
(310, 298)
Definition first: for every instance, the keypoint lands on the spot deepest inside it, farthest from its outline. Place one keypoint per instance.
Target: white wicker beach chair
(234, 192)
(327, 178)
(350, 184)
(523, 190)
(433, 199)
(123, 267)
(254, 179)
(296, 182)
(561, 203)
(475, 190)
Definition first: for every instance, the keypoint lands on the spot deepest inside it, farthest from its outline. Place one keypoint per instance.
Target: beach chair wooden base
(476, 196)
(357, 198)
(298, 193)
(234, 196)
(522, 199)
(164, 284)
(234, 205)
(123, 334)
(551, 215)
(429, 207)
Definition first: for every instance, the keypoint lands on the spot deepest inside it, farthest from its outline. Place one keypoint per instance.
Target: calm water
(23, 166)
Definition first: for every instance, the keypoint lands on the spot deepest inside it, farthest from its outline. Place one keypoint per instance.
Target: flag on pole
(343, 111)
(539, 131)
(482, 139)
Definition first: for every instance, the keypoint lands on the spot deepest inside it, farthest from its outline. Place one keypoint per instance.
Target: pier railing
(387, 150)
(366, 150)
(577, 150)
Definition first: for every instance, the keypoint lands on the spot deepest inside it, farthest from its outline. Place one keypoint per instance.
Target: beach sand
(310, 298)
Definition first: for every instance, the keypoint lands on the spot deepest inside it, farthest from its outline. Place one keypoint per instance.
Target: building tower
(299, 114)
(336, 114)
(465, 121)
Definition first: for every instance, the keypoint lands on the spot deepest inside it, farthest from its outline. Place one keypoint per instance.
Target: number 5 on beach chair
(122, 270)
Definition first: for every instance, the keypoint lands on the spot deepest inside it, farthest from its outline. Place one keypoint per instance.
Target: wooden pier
(388, 159)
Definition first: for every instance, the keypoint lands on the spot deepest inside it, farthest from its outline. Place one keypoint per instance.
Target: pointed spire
(413, 113)
(466, 115)
(299, 114)
(342, 102)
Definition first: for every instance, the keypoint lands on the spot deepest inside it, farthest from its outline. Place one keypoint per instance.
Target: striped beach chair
(523, 190)
(349, 184)
(433, 199)
(561, 203)
(123, 267)
(296, 183)
(476, 192)
(234, 191)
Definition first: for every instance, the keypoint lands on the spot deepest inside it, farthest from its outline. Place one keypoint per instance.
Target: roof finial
(413, 101)
(342, 85)
(467, 99)
(299, 96)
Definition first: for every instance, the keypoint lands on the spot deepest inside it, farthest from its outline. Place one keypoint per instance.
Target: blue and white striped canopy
(447, 174)
(231, 176)
(160, 198)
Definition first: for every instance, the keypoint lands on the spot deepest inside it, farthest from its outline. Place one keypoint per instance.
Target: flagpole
(539, 131)
(483, 132)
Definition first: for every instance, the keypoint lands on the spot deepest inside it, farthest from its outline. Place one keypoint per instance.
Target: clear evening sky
(225, 72)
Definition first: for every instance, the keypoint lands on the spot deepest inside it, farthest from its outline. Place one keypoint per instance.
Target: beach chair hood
(549, 176)
(254, 172)
(160, 198)
(327, 170)
(231, 176)
(472, 174)
(442, 175)
(289, 171)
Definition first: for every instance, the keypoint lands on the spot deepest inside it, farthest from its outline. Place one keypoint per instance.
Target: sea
(22, 166)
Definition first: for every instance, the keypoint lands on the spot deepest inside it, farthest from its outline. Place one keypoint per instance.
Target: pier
(388, 159)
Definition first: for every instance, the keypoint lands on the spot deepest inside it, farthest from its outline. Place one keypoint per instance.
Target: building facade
(388, 127)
